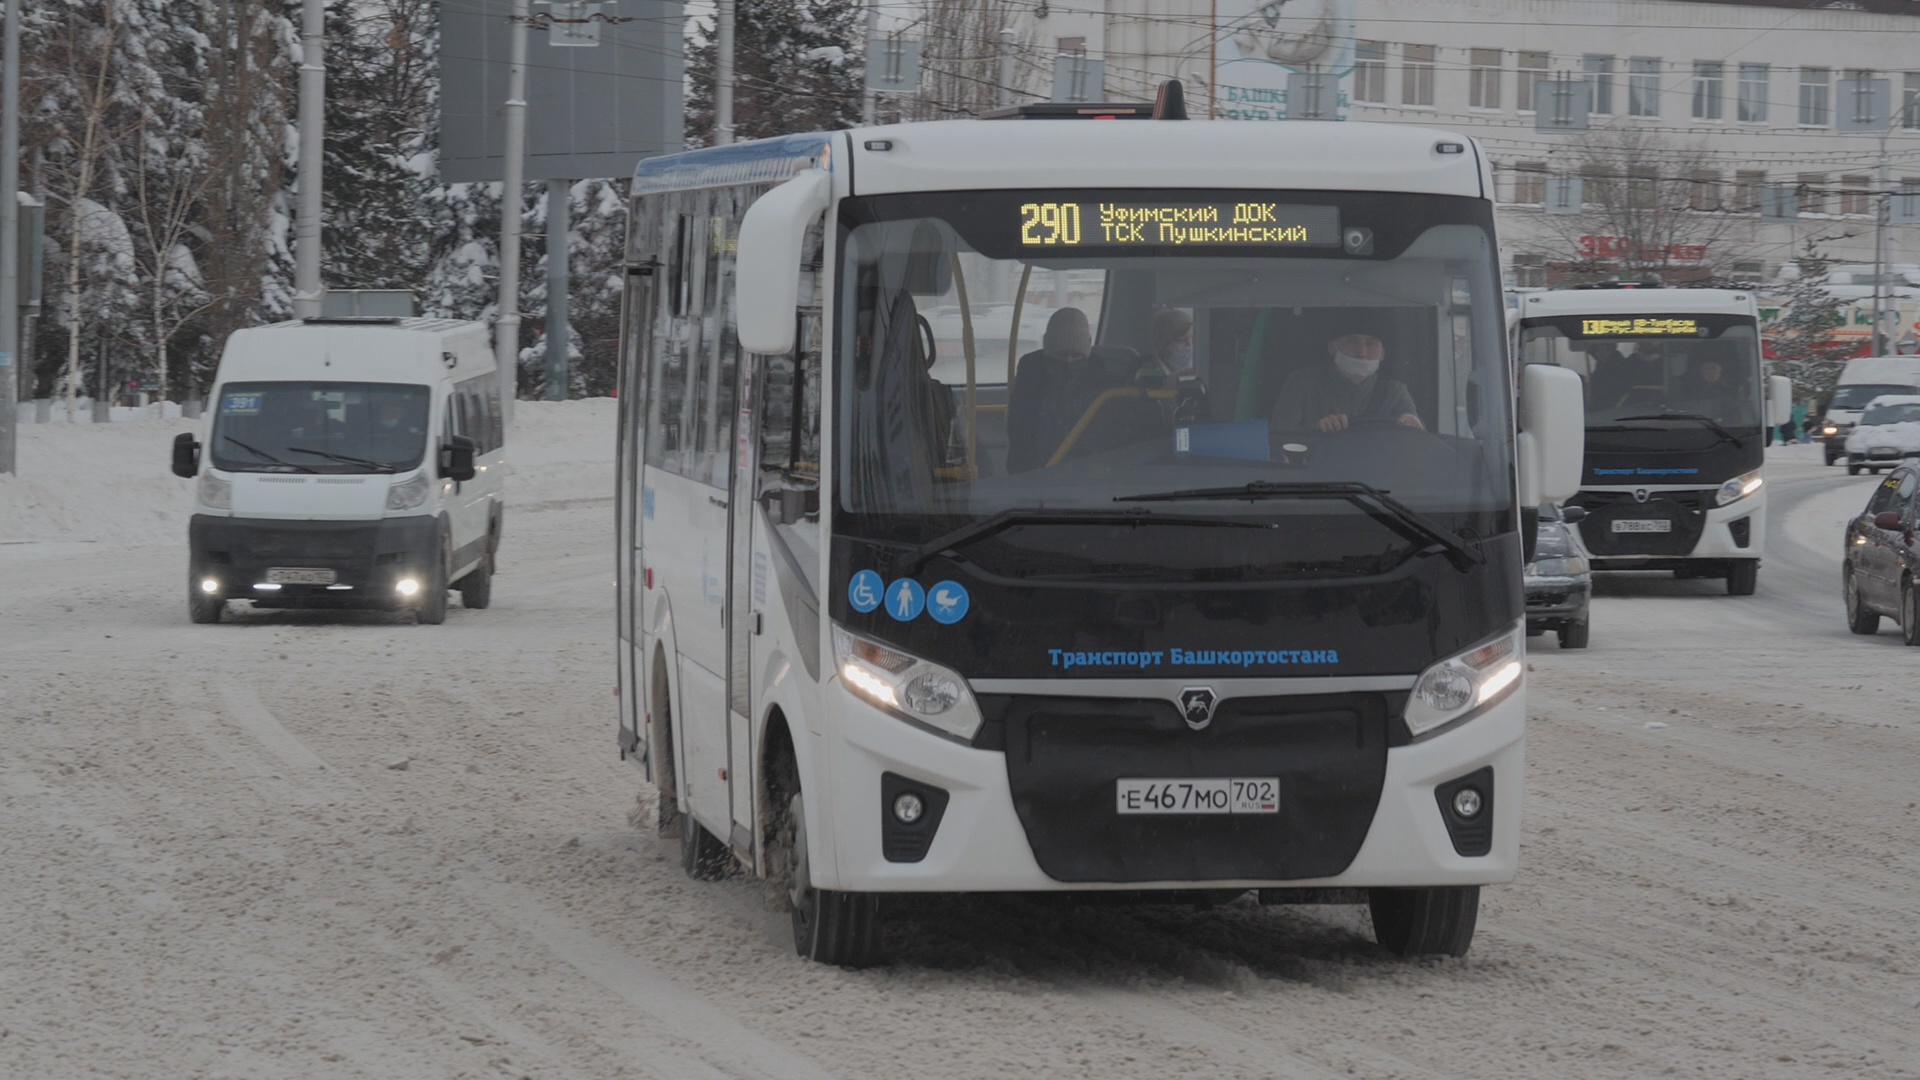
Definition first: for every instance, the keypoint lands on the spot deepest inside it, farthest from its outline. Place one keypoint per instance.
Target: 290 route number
(1242, 795)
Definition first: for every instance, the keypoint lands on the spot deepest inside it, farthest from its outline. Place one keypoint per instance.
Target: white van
(1863, 379)
(348, 463)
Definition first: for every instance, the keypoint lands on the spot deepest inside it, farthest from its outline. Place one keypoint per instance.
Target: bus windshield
(1006, 351)
(1640, 366)
(338, 427)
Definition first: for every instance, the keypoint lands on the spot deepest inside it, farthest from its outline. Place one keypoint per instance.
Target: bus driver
(1348, 389)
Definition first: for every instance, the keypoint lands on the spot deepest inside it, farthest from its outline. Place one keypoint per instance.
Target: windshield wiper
(1699, 418)
(344, 459)
(911, 560)
(263, 455)
(1377, 503)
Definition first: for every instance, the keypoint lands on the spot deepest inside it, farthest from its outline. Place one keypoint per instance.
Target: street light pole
(723, 73)
(506, 327)
(313, 118)
(10, 359)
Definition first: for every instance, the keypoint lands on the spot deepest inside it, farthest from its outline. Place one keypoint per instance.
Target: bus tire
(202, 607)
(702, 855)
(1860, 620)
(476, 589)
(1425, 922)
(1573, 635)
(829, 926)
(431, 608)
(1742, 576)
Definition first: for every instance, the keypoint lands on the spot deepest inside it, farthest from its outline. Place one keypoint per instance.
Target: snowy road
(320, 845)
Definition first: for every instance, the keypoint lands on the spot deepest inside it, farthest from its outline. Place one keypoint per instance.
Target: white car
(1888, 431)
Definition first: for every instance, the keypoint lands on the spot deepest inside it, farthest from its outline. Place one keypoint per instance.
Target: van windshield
(331, 427)
(1858, 395)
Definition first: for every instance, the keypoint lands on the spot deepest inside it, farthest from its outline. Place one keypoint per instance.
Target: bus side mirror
(1573, 515)
(1779, 400)
(767, 266)
(456, 458)
(1553, 434)
(788, 505)
(186, 456)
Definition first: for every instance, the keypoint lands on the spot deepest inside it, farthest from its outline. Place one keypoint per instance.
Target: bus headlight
(913, 689)
(408, 493)
(215, 493)
(1738, 488)
(1462, 685)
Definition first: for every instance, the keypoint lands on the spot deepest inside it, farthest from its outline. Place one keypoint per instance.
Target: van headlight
(1738, 488)
(408, 493)
(215, 493)
(913, 689)
(1462, 685)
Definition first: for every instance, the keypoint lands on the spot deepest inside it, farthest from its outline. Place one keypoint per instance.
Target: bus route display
(1639, 327)
(1223, 224)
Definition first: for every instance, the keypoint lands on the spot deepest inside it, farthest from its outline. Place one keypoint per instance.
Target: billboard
(591, 112)
(1259, 43)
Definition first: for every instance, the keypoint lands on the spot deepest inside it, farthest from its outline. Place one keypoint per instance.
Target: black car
(1882, 557)
(1559, 582)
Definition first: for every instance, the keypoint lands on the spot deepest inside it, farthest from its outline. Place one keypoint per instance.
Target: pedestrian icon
(906, 600)
(947, 602)
(864, 591)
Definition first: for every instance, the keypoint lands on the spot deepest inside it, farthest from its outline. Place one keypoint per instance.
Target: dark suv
(1880, 559)
(1559, 582)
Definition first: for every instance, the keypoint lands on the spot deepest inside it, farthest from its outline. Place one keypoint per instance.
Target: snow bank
(112, 484)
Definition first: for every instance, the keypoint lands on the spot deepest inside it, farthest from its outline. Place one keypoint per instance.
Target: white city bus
(1675, 399)
(919, 592)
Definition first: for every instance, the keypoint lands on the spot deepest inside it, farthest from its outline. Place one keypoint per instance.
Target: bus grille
(1686, 511)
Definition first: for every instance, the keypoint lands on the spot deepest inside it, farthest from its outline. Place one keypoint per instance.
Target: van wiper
(344, 459)
(264, 456)
(1377, 503)
(913, 559)
(1699, 418)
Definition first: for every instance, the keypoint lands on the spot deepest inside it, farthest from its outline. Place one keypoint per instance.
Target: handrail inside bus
(966, 349)
(1013, 332)
(1086, 418)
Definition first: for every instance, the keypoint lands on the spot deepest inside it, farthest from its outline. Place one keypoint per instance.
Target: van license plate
(1621, 525)
(298, 575)
(1255, 795)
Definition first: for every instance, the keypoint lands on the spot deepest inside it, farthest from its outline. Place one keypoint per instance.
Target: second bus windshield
(1644, 365)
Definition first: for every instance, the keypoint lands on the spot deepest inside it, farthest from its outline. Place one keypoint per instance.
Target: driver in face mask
(1333, 396)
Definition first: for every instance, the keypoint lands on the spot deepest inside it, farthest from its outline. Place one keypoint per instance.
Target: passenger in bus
(1052, 387)
(1628, 380)
(1346, 390)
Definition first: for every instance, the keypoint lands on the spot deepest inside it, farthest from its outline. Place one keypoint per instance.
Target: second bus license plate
(1239, 795)
(1642, 525)
(298, 575)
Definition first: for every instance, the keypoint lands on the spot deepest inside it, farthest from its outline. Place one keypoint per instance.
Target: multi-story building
(1717, 143)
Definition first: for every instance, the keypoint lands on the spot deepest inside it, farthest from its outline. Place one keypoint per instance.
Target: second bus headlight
(1462, 685)
(913, 689)
(408, 493)
(1738, 488)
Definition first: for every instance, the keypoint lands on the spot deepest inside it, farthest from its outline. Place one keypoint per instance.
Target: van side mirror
(456, 458)
(1779, 400)
(1573, 515)
(767, 266)
(186, 456)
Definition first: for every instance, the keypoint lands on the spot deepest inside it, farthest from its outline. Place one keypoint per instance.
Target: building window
(1370, 72)
(1814, 90)
(1416, 75)
(1812, 192)
(1643, 86)
(1854, 198)
(1906, 205)
(1530, 182)
(1706, 89)
(1749, 188)
(1599, 185)
(1642, 187)
(1532, 72)
(1909, 103)
(1750, 271)
(1483, 78)
(1753, 93)
(1529, 270)
(1599, 71)
(1706, 190)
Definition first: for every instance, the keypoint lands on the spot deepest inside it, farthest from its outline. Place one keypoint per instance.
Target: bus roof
(957, 155)
(1636, 301)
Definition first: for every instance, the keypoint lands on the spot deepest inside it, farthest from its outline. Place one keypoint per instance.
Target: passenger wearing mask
(1052, 387)
(1347, 389)
(1170, 365)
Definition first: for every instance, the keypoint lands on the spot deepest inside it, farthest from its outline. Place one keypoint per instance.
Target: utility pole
(723, 73)
(313, 118)
(10, 360)
(558, 234)
(1006, 65)
(870, 101)
(506, 327)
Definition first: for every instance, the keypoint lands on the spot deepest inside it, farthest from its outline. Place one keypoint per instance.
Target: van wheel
(1573, 635)
(476, 589)
(204, 608)
(1859, 619)
(1425, 922)
(1742, 576)
(702, 855)
(431, 608)
(829, 927)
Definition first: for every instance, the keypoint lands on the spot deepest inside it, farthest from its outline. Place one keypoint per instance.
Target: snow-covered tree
(1804, 347)
(379, 74)
(795, 69)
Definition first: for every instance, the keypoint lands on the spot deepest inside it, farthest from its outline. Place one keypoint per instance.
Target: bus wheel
(1425, 922)
(829, 927)
(1742, 576)
(702, 855)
